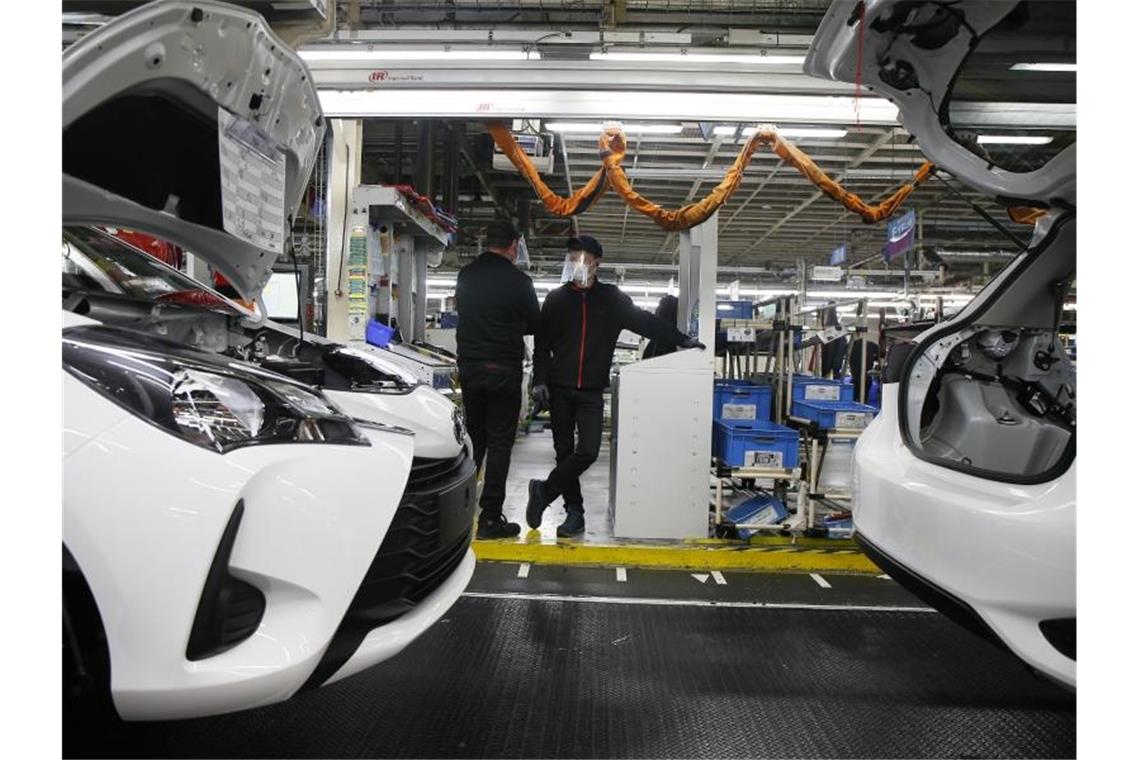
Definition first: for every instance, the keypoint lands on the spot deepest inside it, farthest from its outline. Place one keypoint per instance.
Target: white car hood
(890, 45)
(142, 100)
(435, 421)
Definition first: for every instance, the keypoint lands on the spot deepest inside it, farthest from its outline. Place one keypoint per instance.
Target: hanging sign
(900, 236)
(838, 256)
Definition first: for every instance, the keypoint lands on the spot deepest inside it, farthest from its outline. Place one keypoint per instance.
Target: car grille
(425, 543)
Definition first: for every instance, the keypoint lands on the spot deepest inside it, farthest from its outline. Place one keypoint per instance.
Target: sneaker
(497, 527)
(535, 504)
(575, 524)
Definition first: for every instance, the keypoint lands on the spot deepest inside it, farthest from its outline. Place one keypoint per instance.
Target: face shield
(522, 257)
(578, 269)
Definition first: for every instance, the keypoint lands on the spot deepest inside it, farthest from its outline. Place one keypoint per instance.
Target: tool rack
(781, 360)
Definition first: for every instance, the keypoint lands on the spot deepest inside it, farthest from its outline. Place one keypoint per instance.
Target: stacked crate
(830, 404)
(744, 435)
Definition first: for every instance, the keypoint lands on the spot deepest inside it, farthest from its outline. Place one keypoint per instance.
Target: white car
(965, 484)
(231, 535)
(111, 281)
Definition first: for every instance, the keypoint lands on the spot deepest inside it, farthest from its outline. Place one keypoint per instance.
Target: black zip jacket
(497, 306)
(578, 331)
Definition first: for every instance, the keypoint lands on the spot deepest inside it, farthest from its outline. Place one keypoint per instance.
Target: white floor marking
(719, 578)
(524, 569)
(819, 579)
(702, 577)
(621, 575)
(884, 577)
(692, 602)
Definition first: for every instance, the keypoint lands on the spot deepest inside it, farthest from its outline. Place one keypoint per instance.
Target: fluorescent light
(1043, 67)
(600, 105)
(596, 127)
(377, 55)
(785, 131)
(752, 60)
(1014, 139)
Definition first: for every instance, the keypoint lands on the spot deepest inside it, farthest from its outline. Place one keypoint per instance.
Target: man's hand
(691, 342)
(540, 394)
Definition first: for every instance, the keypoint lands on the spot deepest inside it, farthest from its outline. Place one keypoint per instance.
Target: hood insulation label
(253, 183)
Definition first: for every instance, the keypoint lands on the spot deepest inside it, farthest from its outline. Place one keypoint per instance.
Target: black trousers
(492, 398)
(573, 410)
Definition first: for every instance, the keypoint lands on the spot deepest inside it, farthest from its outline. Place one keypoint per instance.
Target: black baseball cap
(585, 243)
(501, 234)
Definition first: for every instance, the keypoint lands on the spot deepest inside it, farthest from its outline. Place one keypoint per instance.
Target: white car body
(237, 536)
(975, 510)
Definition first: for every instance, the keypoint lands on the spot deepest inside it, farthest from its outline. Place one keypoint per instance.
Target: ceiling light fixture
(834, 134)
(379, 55)
(598, 105)
(1044, 67)
(1014, 139)
(751, 60)
(596, 127)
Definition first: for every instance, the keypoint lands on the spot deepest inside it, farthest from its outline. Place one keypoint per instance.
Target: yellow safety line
(681, 556)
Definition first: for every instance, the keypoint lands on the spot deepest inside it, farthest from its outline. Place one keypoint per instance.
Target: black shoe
(497, 527)
(535, 504)
(574, 525)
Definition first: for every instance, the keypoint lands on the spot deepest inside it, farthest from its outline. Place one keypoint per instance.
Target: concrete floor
(533, 457)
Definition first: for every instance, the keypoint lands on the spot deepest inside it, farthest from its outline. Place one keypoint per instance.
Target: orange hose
(582, 200)
(612, 148)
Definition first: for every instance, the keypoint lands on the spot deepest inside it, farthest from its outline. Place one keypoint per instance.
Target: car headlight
(206, 400)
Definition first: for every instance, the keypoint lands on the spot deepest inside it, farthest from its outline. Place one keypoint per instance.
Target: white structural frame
(662, 419)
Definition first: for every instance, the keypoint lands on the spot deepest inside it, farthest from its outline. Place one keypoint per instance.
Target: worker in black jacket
(497, 306)
(574, 349)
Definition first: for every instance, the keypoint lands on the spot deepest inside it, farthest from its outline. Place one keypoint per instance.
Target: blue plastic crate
(740, 400)
(808, 388)
(734, 310)
(378, 333)
(848, 415)
(743, 443)
(838, 528)
(759, 510)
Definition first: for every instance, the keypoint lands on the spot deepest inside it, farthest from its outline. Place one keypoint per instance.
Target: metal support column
(696, 306)
(419, 316)
(345, 144)
(425, 180)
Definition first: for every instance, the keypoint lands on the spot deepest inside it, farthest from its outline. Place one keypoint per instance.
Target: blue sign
(838, 256)
(900, 236)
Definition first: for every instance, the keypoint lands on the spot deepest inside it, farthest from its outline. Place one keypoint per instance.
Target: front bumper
(425, 550)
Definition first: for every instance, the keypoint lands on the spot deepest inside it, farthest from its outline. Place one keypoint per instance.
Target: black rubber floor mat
(521, 678)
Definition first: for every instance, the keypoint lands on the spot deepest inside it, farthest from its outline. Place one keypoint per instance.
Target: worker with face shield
(497, 306)
(574, 350)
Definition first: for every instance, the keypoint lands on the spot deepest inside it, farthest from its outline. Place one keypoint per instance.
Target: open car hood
(194, 122)
(913, 53)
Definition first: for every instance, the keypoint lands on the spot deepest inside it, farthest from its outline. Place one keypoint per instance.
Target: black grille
(425, 543)
(427, 474)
